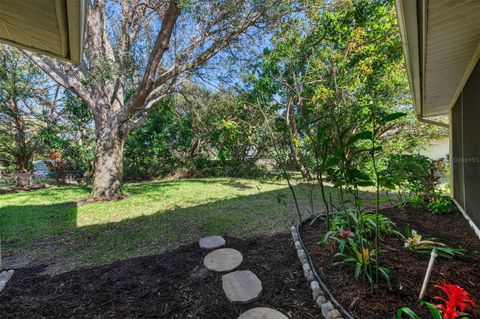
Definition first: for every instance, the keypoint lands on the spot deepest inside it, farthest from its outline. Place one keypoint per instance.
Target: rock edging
(331, 309)
(5, 277)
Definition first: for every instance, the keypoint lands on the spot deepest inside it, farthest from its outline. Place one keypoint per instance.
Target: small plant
(440, 205)
(362, 258)
(414, 242)
(416, 200)
(434, 311)
(454, 306)
(365, 221)
(352, 250)
(350, 234)
(340, 239)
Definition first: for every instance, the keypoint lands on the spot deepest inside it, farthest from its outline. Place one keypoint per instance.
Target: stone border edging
(5, 276)
(331, 309)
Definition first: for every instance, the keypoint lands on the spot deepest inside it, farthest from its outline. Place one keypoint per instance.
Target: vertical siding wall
(465, 119)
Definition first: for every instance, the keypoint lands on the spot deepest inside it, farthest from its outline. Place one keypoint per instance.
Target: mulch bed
(408, 267)
(174, 284)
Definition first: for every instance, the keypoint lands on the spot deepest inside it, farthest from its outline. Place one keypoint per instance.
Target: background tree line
(330, 71)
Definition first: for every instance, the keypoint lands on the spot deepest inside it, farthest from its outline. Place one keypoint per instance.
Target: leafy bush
(440, 205)
(161, 145)
(215, 168)
(420, 176)
(416, 200)
(412, 172)
(206, 138)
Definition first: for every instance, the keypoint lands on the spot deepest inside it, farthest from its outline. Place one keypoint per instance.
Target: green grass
(48, 227)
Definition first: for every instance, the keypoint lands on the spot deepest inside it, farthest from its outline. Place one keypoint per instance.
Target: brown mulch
(172, 284)
(408, 268)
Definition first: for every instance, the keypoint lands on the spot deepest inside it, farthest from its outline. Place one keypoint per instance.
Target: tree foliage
(27, 103)
(136, 52)
(161, 145)
(326, 97)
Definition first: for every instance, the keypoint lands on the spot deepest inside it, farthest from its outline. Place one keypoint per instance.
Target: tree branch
(161, 45)
(218, 45)
(142, 116)
(68, 81)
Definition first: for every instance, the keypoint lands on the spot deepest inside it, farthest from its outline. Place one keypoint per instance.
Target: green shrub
(414, 173)
(216, 168)
(161, 145)
(416, 200)
(440, 205)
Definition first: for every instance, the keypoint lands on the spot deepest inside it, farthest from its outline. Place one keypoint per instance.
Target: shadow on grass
(142, 188)
(50, 233)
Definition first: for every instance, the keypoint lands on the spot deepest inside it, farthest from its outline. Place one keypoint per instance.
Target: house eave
(438, 70)
(407, 11)
(51, 27)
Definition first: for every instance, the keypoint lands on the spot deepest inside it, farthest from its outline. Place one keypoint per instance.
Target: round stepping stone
(225, 259)
(241, 286)
(212, 242)
(262, 313)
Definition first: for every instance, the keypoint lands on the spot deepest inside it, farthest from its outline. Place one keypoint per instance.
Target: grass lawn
(47, 227)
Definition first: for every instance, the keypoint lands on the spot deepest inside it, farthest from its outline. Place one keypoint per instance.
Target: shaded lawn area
(47, 227)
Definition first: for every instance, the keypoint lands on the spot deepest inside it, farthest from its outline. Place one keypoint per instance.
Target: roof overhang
(441, 43)
(52, 27)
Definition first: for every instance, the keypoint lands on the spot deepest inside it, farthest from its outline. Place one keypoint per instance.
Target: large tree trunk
(24, 178)
(107, 183)
(22, 161)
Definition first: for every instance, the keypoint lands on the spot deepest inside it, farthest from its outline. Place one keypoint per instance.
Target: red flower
(457, 301)
(345, 233)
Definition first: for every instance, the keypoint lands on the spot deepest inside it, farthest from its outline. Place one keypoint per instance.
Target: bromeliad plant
(414, 242)
(369, 223)
(454, 306)
(362, 258)
(457, 301)
(356, 251)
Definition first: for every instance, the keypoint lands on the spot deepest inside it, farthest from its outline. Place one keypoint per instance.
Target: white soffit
(452, 42)
(52, 27)
(442, 45)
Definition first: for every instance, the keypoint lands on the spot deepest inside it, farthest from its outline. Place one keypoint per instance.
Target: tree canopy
(167, 86)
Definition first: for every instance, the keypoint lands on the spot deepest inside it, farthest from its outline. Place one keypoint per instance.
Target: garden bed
(173, 284)
(408, 268)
